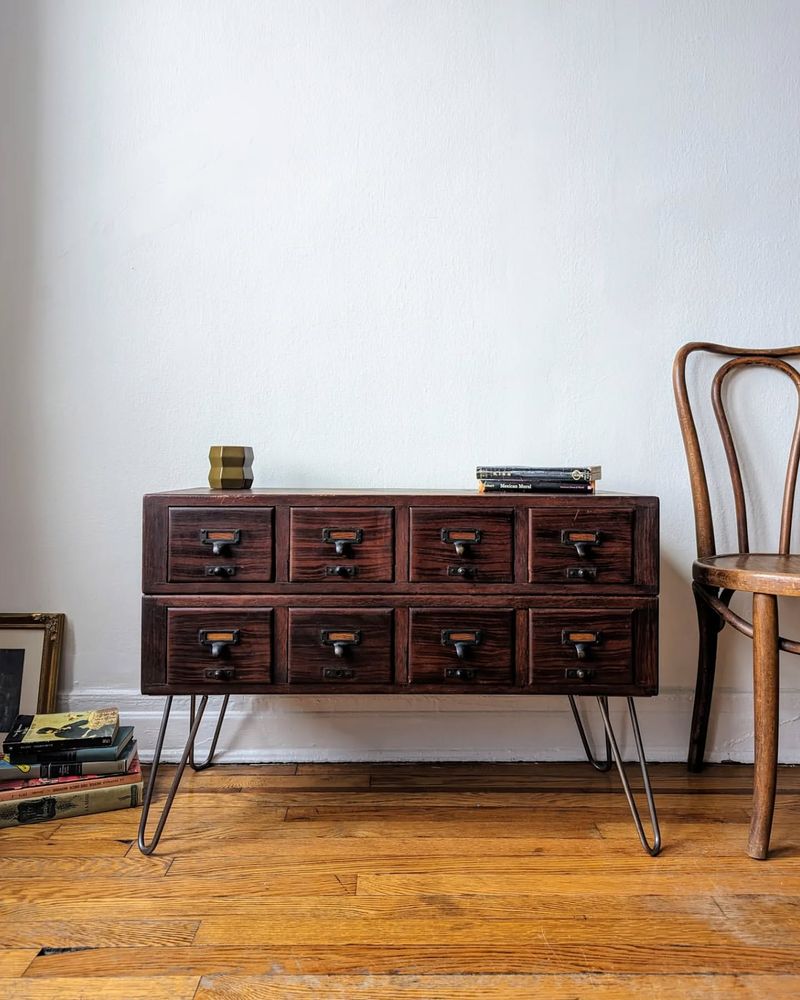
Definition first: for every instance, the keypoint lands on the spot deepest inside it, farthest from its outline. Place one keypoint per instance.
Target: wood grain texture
(436, 886)
(367, 659)
(249, 554)
(246, 661)
(550, 554)
(370, 560)
(490, 559)
(494, 987)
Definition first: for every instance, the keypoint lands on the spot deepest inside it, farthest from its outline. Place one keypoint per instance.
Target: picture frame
(30, 658)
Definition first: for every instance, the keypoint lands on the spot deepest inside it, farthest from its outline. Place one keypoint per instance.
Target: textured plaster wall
(381, 242)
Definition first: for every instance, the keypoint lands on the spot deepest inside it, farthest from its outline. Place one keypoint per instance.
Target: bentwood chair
(716, 578)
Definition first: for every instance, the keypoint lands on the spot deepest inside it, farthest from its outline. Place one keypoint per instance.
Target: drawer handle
(338, 674)
(340, 639)
(221, 571)
(582, 642)
(461, 538)
(345, 572)
(460, 673)
(581, 573)
(465, 572)
(582, 540)
(579, 673)
(218, 640)
(461, 640)
(342, 538)
(219, 540)
(221, 674)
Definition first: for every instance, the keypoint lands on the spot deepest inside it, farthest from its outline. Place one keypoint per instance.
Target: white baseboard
(430, 728)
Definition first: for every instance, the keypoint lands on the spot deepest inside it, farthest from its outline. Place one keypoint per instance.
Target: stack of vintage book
(533, 479)
(67, 764)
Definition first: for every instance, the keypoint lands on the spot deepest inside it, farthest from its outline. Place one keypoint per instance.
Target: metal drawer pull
(465, 572)
(338, 674)
(342, 538)
(460, 673)
(345, 572)
(579, 673)
(219, 540)
(340, 639)
(581, 641)
(221, 571)
(461, 538)
(582, 540)
(462, 641)
(218, 640)
(221, 673)
(581, 573)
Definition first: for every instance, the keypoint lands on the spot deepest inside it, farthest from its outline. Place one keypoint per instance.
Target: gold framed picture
(30, 655)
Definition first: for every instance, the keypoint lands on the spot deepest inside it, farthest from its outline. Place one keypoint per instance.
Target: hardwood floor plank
(494, 987)
(14, 961)
(506, 883)
(574, 906)
(18, 866)
(536, 956)
(684, 930)
(123, 889)
(60, 933)
(109, 988)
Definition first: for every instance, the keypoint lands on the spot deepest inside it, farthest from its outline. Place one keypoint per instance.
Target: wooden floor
(413, 882)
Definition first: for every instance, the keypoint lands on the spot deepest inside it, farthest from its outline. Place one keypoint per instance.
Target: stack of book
(530, 479)
(67, 764)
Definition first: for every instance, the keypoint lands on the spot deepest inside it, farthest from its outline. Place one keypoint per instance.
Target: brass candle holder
(231, 467)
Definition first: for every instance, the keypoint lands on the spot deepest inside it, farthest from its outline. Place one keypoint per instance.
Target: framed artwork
(30, 654)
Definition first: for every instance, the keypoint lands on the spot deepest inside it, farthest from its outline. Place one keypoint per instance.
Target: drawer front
(461, 648)
(582, 649)
(340, 646)
(458, 546)
(231, 545)
(330, 544)
(581, 547)
(219, 647)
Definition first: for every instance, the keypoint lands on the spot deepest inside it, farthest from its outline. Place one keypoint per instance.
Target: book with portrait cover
(66, 804)
(11, 791)
(62, 731)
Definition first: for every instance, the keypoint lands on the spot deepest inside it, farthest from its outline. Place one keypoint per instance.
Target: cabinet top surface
(488, 498)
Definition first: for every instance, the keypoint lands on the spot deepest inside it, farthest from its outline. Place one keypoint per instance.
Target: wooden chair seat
(754, 572)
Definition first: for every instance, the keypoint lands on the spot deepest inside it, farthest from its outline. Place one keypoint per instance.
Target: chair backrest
(741, 357)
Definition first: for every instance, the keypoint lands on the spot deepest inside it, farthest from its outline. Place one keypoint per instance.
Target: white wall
(380, 242)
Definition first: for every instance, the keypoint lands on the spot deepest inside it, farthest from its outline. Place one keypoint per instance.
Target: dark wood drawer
(341, 544)
(457, 545)
(231, 545)
(219, 647)
(340, 646)
(581, 649)
(461, 648)
(581, 546)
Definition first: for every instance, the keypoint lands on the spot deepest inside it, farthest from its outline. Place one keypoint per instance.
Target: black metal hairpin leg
(144, 846)
(210, 758)
(598, 765)
(651, 805)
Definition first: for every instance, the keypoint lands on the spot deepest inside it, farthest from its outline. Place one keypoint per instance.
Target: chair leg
(708, 626)
(765, 712)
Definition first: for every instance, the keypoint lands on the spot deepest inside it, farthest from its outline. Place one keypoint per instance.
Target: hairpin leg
(210, 758)
(598, 765)
(148, 848)
(651, 805)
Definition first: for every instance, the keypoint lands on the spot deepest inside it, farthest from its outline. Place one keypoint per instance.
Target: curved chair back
(740, 357)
